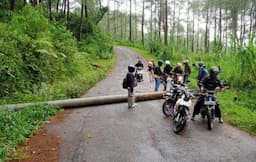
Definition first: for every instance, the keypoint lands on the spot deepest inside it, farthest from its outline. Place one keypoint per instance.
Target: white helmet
(167, 62)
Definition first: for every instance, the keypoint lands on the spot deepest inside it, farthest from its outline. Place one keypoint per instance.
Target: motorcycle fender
(186, 103)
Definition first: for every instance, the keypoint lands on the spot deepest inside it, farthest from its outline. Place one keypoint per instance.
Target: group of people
(157, 75)
(178, 74)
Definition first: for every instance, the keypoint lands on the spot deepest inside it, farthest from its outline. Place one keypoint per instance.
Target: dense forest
(43, 42)
(48, 45)
(172, 29)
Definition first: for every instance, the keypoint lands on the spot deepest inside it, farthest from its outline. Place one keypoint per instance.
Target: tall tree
(12, 5)
(50, 9)
(81, 22)
(166, 24)
(130, 22)
(142, 22)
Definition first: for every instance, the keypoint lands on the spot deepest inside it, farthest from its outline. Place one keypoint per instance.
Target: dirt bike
(171, 97)
(181, 110)
(138, 74)
(208, 107)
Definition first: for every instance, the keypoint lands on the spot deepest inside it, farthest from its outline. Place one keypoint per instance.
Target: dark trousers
(200, 103)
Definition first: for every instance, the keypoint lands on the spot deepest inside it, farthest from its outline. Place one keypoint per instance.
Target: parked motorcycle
(171, 97)
(181, 109)
(208, 108)
(138, 74)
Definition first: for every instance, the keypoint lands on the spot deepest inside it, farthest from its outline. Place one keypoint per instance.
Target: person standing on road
(202, 73)
(131, 83)
(167, 70)
(158, 75)
(151, 71)
(187, 71)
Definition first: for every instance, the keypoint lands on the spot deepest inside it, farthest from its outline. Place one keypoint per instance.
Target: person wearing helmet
(202, 73)
(158, 75)
(187, 70)
(167, 70)
(178, 73)
(131, 83)
(209, 83)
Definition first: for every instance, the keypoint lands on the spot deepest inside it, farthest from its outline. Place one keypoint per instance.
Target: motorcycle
(208, 108)
(138, 74)
(171, 97)
(181, 110)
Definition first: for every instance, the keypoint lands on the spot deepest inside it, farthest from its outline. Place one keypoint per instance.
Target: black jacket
(167, 69)
(131, 81)
(211, 83)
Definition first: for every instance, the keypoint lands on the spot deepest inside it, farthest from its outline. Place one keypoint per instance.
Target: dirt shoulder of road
(42, 146)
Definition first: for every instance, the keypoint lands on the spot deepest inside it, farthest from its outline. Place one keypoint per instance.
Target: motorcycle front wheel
(168, 108)
(179, 124)
(210, 120)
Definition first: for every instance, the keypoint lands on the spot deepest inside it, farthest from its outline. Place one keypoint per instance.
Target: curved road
(112, 133)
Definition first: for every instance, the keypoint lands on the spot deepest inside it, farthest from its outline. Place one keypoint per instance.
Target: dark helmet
(131, 68)
(214, 71)
(160, 62)
(201, 64)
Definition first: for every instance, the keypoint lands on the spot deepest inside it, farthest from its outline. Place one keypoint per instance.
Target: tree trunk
(12, 5)
(81, 22)
(64, 6)
(108, 19)
(166, 24)
(178, 24)
(50, 9)
(220, 29)
(234, 15)
(57, 6)
(254, 18)
(193, 33)
(25, 2)
(173, 25)
(226, 39)
(151, 21)
(159, 19)
(188, 28)
(197, 41)
(130, 22)
(135, 24)
(206, 46)
(68, 14)
(215, 25)
(142, 23)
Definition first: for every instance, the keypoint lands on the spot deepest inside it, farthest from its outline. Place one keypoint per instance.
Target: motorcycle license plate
(209, 102)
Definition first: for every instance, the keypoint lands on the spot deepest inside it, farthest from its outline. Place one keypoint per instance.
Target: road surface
(112, 133)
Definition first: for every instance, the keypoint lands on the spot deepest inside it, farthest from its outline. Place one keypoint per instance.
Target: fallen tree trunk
(90, 101)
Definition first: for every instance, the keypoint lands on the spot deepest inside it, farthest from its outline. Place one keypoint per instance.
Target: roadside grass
(15, 127)
(240, 113)
(19, 125)
(88, 71)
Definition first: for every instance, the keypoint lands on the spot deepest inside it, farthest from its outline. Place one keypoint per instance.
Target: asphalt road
(112, 133)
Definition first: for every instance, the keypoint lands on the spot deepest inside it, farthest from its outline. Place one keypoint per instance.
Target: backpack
(125, 86)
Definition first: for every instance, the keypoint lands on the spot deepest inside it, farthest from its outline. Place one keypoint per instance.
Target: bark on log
(90, 101)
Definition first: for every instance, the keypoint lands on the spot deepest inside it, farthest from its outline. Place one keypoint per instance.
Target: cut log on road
(90, 101)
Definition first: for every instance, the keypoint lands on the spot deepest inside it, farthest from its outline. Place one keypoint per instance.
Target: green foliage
(240, 113)
(15, 127)
(96, 44)
(33, 51)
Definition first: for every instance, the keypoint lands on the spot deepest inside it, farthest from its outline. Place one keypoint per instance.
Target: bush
(15, 127)
(33, 51)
